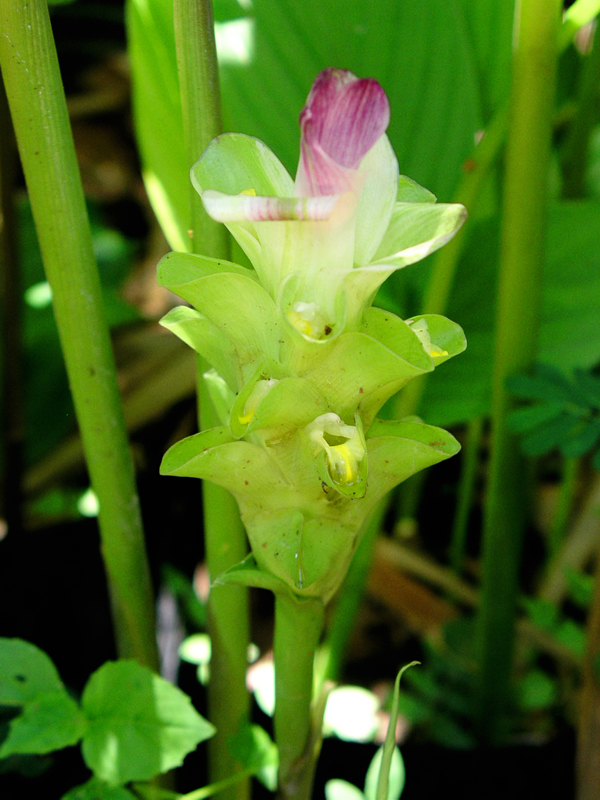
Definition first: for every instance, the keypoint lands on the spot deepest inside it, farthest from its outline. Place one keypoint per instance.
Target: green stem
(298, 626)
(517, 324)
(39, 111)
(224, 535)
(11, 337)
(465, 494)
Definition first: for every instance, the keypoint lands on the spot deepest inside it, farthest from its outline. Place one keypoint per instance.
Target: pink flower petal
(342, 120)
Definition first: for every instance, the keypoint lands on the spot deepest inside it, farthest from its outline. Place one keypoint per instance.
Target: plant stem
(298, 626)
(39, 111)
(565, 504)
(224, 535)
(517, 324)
(10, 311)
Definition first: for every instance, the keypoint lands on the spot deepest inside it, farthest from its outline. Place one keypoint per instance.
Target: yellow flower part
(258, 392)
(344, 458)
(421, 328)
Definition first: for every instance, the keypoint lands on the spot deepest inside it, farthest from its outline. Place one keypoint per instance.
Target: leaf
(139, 724)
(549, 436)
(525, 419)
(256, 751)
(570, 309)
(386, 775)
(49, 722)
(25, 673)
(98, 790)
(536, 691)
(583, 441)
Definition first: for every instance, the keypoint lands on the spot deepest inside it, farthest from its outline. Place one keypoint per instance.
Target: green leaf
(525, 419)
(386, 775)
(536, 691)
(588, 385)
(581, 587)
(570, 309)
(582, 441)
(546, 438)
(572, 635)
(541, 612)
(98, 790)
(49, 722)
(255, 750)
(25, 673)
(139, 725)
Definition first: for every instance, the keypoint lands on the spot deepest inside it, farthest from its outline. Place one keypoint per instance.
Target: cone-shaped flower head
(323, 244)
(302, 362)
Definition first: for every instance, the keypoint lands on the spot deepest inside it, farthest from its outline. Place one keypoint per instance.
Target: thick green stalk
(517, 324)
(11, 336)
(37, 102)
(224, 535)
(298, 626)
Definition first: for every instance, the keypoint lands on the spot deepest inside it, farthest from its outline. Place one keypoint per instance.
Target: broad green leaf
(158, 116)
(49, 722)
(139, 725)
(337, 789)
(489, 25)
(98, 790)
(570, 310)
(589, 386)
(256, 751)
(25, 673)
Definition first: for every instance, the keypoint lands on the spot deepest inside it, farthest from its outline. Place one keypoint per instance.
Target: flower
(322, 245)
(302, 362)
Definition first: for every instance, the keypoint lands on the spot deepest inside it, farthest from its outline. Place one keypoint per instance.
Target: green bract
(305, 362)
